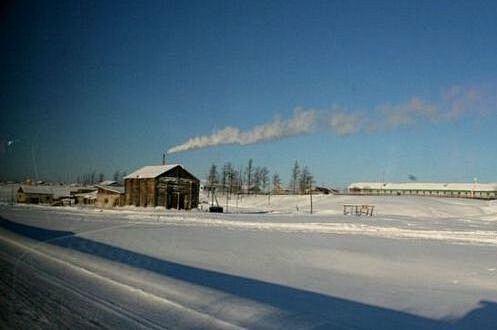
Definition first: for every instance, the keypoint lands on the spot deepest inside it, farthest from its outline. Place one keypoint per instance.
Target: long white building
(464, 190)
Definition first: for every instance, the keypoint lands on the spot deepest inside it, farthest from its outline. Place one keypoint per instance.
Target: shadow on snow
(299, 306)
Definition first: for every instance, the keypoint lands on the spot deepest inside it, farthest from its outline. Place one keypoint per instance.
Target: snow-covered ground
(411, 206)
(418, 263)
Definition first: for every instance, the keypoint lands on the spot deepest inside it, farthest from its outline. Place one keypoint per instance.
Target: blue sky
(93, 85)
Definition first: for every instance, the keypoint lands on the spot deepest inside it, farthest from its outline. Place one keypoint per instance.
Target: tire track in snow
(58, 282)
(126, 313)
(105, 305)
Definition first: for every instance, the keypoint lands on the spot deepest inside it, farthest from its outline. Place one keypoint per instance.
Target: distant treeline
(257, 179)
(94, 177)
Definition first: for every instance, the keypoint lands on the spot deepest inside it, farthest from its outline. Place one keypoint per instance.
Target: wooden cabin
(171, 186)
(34, 195)
(29, 194)
(109, 196)
(85, 198)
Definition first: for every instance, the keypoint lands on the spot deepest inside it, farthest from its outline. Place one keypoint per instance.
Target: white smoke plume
(391, 116)
(453, 105)
(302, 122)
(342, 123)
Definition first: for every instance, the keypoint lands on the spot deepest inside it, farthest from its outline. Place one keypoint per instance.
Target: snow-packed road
(154, 269)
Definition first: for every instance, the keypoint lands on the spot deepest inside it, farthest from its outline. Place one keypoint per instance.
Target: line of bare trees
(257, 179)
(94, 177)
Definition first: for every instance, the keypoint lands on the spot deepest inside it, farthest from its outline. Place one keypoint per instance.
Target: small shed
(85, 198)
(171, 186)
(109, 196)
(31, 194)
(34, 195)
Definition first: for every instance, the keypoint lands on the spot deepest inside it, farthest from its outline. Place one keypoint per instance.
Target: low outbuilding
(109, 196)
(33, 194)
(85, 198)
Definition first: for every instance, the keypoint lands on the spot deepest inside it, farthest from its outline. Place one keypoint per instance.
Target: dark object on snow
(216, 209)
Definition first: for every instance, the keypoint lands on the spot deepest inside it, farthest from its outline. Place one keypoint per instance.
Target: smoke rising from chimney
(302, 122)
(454, 104)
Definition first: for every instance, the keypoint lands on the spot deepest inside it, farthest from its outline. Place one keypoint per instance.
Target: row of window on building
(382, 189)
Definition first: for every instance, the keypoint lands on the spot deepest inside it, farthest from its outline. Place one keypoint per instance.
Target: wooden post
(310, 194)
(190, 199)
(227, 199)
(212, 195)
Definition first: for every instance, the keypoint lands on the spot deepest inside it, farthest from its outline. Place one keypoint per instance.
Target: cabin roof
(55, 191)
(108, 183)
(151, 171)
(116, 189)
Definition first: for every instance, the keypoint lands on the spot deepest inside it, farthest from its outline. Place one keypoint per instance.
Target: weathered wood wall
(108, 199)
(30, 198)
(174, 189)
(140, 192)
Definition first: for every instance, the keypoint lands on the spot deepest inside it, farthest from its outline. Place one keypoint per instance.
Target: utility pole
(236, 205)
(227, 199)
(310, 194)
(269, 193)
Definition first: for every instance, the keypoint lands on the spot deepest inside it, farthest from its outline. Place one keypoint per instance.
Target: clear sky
(395, 88)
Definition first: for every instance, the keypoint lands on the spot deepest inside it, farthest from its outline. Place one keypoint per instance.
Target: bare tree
(240, 180)
(249, 173)
(295, 177)
(256, 181)
(232, 179)
(264, 174)
(305, 181)
(115, 177)
(212, 177)
(276, 183)
(235, 181)
(227, 176)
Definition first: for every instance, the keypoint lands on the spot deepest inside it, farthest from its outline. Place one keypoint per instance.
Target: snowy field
(418, 263)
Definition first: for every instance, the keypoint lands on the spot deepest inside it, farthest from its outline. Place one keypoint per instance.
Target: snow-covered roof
(89, 195)
(116, 189)
(425, 186)
(108, 183)
(153, 171)
(36, 189)
(56, 191)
